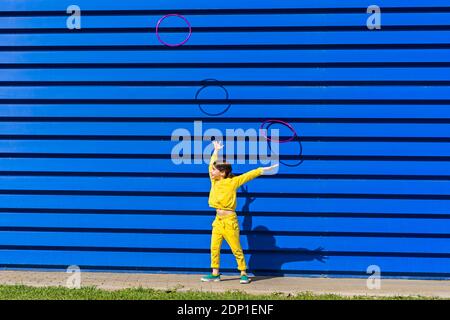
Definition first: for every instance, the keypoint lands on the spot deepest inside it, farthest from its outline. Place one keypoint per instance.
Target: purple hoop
(173, 15)
(283, 123)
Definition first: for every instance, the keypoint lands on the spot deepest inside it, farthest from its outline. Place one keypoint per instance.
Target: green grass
(21, 292)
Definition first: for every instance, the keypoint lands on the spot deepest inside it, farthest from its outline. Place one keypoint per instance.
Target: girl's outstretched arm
(252, 174)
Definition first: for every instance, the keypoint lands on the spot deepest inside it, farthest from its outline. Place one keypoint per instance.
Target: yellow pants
(226, 227)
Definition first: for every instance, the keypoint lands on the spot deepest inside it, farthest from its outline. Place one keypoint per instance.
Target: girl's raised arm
(217, 147)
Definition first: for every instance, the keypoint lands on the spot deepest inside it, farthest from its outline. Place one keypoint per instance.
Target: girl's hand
(217, 145)
(270, 168)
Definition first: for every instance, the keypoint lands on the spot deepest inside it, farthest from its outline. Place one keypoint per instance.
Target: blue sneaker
(210, 277)
(245, 279)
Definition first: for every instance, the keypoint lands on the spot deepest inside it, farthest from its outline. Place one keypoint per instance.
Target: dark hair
(224, 167)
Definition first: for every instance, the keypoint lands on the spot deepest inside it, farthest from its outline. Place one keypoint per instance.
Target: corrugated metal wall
(87, 115)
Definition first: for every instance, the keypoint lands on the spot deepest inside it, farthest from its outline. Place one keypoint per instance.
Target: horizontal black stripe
(225, 83)
(283, 195)
(211, 213)
(166, 156)
(203, 47)
(205, 175)
(302, 252)
(246, 157)
(232, 101)
(363, 274)
(226, 65)
(242, 232)
(145, 12)
(196, 29)
(214, 120)
(197, 138)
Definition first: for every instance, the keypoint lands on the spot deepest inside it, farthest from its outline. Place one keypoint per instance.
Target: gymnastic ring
(173, 15)
(206, 85)
(272, 121)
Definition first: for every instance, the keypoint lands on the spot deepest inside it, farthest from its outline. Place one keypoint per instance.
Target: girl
(225, 226)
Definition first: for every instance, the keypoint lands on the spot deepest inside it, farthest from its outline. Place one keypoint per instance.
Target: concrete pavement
(259, 285)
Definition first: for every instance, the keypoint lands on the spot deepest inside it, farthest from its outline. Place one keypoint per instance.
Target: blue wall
(86, 176)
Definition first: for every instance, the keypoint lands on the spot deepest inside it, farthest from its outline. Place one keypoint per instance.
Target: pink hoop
(283, 123)
(173, 15)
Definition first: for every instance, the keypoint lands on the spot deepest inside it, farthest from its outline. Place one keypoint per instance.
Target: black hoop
(300, 153)
(206, 85)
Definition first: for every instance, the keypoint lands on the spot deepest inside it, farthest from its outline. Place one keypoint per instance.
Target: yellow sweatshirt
(223, 192)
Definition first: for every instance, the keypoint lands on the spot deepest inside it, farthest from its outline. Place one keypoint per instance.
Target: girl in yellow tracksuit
(225, 226)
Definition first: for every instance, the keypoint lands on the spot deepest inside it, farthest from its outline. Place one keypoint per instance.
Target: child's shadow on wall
(268, 264)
